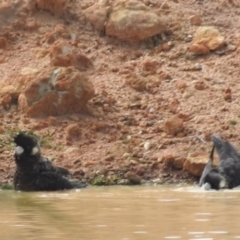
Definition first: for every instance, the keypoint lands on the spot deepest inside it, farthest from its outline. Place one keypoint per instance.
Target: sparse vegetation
(6, 187)
(232, 122)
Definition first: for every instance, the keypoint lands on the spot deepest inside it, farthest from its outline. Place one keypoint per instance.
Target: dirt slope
(138, 85)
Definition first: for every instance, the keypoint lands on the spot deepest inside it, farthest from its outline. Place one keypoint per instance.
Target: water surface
(121, 213)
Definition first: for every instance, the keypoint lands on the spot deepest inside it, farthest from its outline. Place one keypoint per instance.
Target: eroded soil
(123, 129)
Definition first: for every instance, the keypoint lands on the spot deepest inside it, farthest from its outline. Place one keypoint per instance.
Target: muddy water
(121, 213)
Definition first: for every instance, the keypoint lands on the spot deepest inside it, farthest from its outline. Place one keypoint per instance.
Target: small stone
(166, 47)
(133, 162)
(25, 120)
(209, 36)
(73, 131)
(40, 125)
(188, 38)
(123, 182)
(126, 19)
(2, 59)
(179, 162)
(31, 25)
(173, 125)
(126, 155)
(181, 84)
(199, 49)
(109, 158)
(167, 160)
(143, 123)
(231, 47)
(198, 66)
(56, 8)
(97, 14)
(195, 164)
(151, 110)
(195, 20)
(9, 115)
(133, 178)
(228, 95)
(52, 120)
(141, 170)
(200, 85)
(2, 130)
(157, 181)
(147, 146)
(129, 138)
(3, 42)
(150, 123)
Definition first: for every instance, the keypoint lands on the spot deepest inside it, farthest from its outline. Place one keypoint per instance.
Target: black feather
(36, 173)
(228, 171)
(211, 174)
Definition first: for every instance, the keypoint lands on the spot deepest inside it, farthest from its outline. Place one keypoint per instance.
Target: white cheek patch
(35, 150)
(222, 184)
(19, 150)
(206, 186)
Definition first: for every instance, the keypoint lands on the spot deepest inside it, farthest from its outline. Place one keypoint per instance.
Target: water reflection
(121, 213)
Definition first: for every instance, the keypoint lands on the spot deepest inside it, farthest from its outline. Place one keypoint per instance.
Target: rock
(199, 49)
(6, 100)
(173, 125)
(199, 85)
(109, 158)
(52, 121)
(71, 150)
(133, 178)
(150, 65)
(126, 155)
(31, 25)
(136, 82)
(73, 131)
(56, 7)
(126, 21)
(195, 20)
(178, 162)
(209, 37)
(231, 48)
(180, 84)
(195, 164)
(147, 146)
(3, 42)
(2, 130)
(228, 95)
(28, 71)
(2, 59)
(63, 55)
(168, 160)
(97, 14)
(141, 170)
(55, 91)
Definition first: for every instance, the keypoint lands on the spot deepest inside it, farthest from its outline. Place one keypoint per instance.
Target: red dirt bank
(155, 103)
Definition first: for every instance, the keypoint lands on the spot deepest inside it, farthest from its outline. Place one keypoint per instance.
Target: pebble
(231, 47)
(151, 110)
(147, 146)
(189, 38)
(198, 66)
(129, 138)
(126, 155)
(195, 20)
(134, 162)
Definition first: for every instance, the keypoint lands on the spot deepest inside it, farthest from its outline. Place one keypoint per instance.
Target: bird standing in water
(36, 173)
(227, 174)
